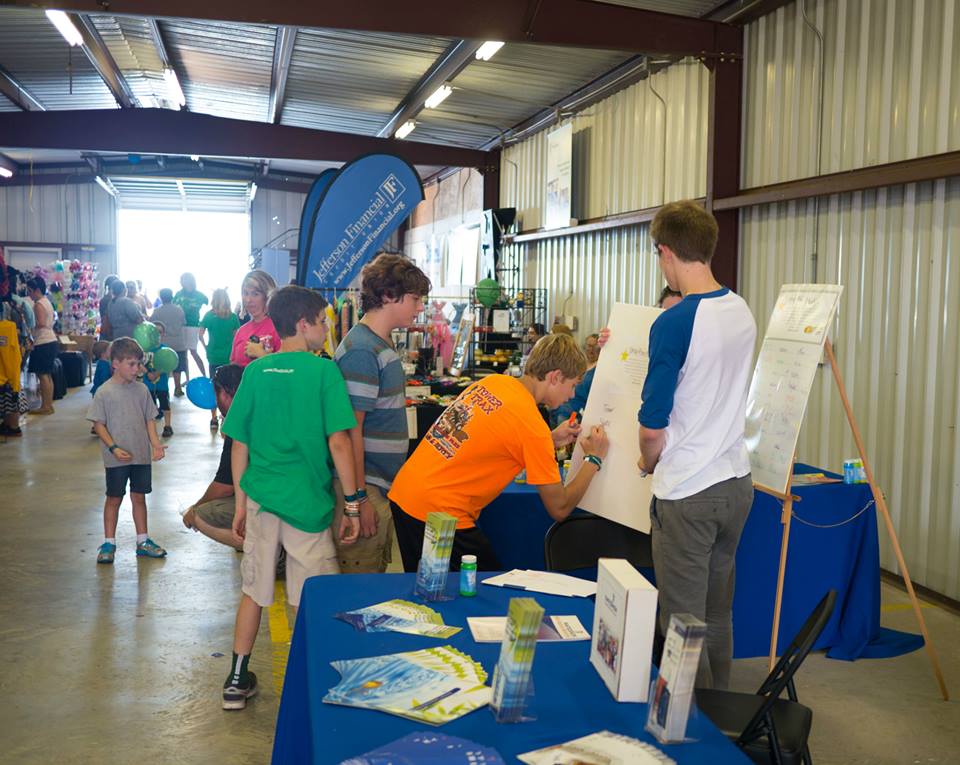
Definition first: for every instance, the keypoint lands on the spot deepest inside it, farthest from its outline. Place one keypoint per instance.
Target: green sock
(238, 669)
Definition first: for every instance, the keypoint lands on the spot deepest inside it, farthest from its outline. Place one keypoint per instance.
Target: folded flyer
(547, 582)
(399, 616)
(429, 748)
(491, 629)
(603, 748)
(435, 685)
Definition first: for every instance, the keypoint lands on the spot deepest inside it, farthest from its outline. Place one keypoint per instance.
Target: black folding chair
(766, 727)
(581, 539)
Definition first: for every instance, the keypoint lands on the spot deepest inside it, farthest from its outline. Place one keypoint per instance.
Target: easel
(881, 503)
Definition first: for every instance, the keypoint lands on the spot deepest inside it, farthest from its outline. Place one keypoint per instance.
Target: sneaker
(6, 430)
(235, 695)
(214, 424)
(105, 553)
(167, 431)
(178, 393)
(151, 549)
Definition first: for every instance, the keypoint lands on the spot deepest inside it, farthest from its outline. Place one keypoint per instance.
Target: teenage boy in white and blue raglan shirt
(691, 434)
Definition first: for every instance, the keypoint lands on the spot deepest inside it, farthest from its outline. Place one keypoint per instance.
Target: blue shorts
(138, 475)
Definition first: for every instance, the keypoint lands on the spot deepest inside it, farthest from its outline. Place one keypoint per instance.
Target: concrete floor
(117, 664)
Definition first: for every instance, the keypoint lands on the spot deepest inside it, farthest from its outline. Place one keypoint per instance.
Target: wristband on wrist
(351, 497)
(112, 447)
(594, 460)
(351, 513)
(361, 494)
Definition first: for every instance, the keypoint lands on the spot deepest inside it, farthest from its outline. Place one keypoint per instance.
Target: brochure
(603, 748)
(547, 582)
(428, 748)
(511, 677)
(399, 616)
(434, 685)
(492, 629)
(435, 559)
(672, 692)
(624, 619)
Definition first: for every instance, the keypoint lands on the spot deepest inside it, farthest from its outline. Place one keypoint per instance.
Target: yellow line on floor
(280, 634)
(891, 607)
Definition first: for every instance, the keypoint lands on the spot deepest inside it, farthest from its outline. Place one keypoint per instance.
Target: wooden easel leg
(785, 521)
(882, 505)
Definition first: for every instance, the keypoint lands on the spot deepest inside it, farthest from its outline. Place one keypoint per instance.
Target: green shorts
(217, 512)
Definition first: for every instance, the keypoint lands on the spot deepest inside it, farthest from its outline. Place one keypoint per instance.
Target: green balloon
(165, 359)
(488, 292)
(147, 334)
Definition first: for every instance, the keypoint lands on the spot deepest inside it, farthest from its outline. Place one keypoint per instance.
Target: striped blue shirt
(376, 386)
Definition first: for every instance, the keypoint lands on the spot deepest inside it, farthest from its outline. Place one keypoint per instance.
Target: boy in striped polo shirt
(391, 296)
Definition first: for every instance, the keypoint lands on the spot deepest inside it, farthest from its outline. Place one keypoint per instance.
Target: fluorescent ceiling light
(195, 157)
(485, 52)
(5, 172)
(438, 97)
(405, 129)
(174, 91)
(63, 24)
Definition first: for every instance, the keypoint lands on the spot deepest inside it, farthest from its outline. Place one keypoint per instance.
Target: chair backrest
(782, 675)
(580, 540)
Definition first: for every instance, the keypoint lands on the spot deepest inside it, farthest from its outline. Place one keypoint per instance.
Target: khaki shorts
(307, 555)
(367, 555)
(217, 512)
(191, 336)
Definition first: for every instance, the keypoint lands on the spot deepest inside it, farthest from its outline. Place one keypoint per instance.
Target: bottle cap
(468, 559)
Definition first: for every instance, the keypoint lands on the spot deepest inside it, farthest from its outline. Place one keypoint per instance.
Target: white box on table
(624, 618)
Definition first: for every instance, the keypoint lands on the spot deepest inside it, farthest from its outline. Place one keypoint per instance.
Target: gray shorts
(217, 512)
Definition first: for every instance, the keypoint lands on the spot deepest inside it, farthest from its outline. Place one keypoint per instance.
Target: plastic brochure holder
(434, 564)
(671, 693)
(513, 676)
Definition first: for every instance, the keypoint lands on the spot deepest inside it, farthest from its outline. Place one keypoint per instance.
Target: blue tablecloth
(570, 701)
(832, 554)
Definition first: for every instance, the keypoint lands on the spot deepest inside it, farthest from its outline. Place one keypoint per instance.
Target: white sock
(141, 538)
(110, 541)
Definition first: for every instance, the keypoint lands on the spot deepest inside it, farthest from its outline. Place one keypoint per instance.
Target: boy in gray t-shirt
(122, 413)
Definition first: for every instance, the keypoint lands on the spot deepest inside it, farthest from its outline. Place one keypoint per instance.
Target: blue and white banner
(366, 202)
(309, 213)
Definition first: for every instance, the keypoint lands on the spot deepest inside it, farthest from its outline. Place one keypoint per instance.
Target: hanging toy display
(74, 293)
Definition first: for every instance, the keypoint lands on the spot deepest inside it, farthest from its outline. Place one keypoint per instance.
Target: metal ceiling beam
(96, 50)
(282, 53)
(19, 95)
(59, 179)
(164, 131)
(577, 23)
(159, 43)
(448, 65)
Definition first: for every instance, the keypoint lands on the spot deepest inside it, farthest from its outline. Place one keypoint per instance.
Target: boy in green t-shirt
(290, 415)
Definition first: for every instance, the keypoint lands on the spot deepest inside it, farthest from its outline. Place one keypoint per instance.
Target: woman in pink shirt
(257, 287)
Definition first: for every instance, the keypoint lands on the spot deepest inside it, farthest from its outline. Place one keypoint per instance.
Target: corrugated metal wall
(78, 213)
(891, 86)
(631, 151)
(891, 92)
(273, 213)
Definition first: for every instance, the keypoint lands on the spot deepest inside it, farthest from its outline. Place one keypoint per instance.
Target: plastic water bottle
(468, 576)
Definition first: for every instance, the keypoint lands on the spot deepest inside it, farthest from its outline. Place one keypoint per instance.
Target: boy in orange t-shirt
(482, 441)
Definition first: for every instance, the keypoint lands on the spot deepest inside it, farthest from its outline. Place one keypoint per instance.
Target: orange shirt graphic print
(449, 432)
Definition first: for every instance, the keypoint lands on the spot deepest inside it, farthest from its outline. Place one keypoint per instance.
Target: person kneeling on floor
(212, 514)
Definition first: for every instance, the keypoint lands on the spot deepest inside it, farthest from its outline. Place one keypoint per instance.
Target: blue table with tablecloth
(833, 544)
(570, 698)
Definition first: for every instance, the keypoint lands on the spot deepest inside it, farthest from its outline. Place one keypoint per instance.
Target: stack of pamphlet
(435, 558)
(511, 677)
(673, 690)
(603, 748)
(399, 616)
(434, 685)
(428, 748)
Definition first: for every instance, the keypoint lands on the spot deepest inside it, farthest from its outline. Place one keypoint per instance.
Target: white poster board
(618, 492)
(556, 212)
(791, 351)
